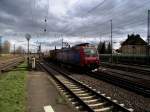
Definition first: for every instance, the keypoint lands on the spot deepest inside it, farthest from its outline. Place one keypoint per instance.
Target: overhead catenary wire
(95, 7)
(123, 24)
(92, 11)
(107, 32)
(46, 16)
(89, 11)
(125, 13)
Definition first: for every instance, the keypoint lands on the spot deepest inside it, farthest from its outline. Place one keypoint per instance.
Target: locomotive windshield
(90, 52)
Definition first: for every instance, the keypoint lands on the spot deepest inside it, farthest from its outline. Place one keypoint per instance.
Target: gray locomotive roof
(82, 44)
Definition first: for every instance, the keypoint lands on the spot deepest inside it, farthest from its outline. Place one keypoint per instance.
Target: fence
(126, 59)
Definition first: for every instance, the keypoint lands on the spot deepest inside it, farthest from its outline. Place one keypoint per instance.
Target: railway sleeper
(84, 94)
(98, 104)
(80, 92)
(66, 82)
(76, 89)
(101, 105)
(105, 109)
(88, 97)
(91, 101)
(72, 85)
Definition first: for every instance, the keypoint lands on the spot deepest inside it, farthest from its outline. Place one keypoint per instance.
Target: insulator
(45, 20)
(44, 30)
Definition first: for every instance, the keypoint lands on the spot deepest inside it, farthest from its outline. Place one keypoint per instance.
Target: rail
(10, 64)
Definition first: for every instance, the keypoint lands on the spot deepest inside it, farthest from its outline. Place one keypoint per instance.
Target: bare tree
(6, 47)
(0, 45)
(19, 50)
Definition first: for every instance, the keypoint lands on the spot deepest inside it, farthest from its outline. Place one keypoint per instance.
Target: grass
(13, 90)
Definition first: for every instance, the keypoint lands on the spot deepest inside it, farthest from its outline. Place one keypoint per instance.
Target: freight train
(82, 55)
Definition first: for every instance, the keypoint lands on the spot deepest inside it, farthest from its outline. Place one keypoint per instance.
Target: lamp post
(28, 37)
(148, 37)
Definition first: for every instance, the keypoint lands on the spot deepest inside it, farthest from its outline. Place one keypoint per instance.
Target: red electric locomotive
(82, 55)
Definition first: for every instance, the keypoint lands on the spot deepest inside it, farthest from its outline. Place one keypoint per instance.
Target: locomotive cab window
(90, 52)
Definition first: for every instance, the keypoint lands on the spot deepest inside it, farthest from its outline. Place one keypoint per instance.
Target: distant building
(134, 45)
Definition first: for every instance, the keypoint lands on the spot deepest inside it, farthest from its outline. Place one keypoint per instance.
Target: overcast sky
(74, 20)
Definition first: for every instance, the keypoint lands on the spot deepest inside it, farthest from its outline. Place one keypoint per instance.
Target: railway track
(128, 68)
(132, 83)
(83, 96)
(122, 73)
(129, 83)
(5, 66)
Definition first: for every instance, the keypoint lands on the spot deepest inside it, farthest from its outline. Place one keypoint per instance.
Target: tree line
(5, 48)
(104, 48)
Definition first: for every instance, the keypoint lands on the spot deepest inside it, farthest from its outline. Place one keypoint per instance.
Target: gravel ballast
(130, 99)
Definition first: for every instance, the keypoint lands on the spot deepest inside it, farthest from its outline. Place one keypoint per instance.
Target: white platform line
(48, 108)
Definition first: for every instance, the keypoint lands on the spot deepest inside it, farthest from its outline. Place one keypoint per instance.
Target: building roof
(134, 40)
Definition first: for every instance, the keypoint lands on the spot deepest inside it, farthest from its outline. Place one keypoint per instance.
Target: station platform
(43, 96)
